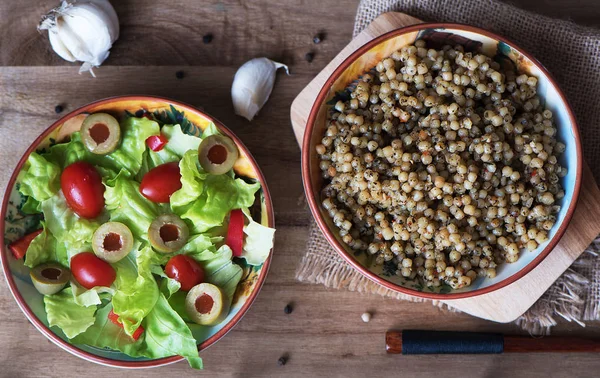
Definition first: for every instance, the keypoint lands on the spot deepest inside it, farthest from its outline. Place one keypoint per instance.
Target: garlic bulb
(82, 30)
(252, 86)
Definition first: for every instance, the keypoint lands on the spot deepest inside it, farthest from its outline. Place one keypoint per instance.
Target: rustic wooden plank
(170, 32)
(324, 335)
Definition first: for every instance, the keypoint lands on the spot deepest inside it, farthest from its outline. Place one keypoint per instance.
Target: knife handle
(449, 342)
(443, 342)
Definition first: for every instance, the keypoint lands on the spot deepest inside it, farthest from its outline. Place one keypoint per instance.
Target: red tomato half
(91, 271)
(160, 182)
(114, 318)
(19, 247)
(185, 270)
(156, 142)
(235, 232)
(83, 189)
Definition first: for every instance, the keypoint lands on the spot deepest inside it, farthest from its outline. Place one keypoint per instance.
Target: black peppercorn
(207, 38)
(288, 309)
(58, 109)
(281, 361)
(179, 74)
(318, 38)
(309, 57)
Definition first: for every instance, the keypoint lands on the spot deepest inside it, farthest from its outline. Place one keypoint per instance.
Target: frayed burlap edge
(322, 265)
(565, 298)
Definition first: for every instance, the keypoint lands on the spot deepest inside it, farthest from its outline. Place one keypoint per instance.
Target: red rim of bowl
(108, 361)
(313, 200)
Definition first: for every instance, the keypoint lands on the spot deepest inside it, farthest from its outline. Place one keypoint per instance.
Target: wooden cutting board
(506, 304)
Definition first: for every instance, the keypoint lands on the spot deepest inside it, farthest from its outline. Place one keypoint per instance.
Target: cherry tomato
(156, 142)
(115, 319)
(160, 182)
(83, 189)
(185, 270)
(91, 271)
(235, 232)
(19, 247)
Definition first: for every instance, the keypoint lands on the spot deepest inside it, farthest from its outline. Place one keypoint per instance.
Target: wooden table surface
(324, 336)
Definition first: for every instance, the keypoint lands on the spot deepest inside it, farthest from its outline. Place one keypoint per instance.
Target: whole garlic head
(252, 86)
(82, 30)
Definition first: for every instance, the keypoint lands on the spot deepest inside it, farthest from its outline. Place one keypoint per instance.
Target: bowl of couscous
(442, 161)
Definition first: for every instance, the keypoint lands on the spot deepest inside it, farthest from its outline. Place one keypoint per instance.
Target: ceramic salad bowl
(15, 223)
(362, 61)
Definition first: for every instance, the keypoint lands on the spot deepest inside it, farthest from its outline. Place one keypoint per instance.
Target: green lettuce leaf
(166, 334)
(177, 303)
(39, 179)
(45, 248)
(104, 334)
(192, 182)
(65, 234)
(127, 205)
(178, 144)
(128, 157)
(258, 241)
(64, 313)
(221, 271)
(205, 199)
(90, 297)
(136, 291)
(73, 232)
(168, 286)
(211, 129)
(31, 206)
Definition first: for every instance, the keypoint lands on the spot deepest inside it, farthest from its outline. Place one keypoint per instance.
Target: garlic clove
(59, 47)
(72, 41)
(92, 31)
(82, 30)
(110, 17)
(252, 86)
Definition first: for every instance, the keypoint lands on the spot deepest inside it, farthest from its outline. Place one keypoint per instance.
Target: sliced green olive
(217, 154)
(168, 233)
(50, 278)
(206, 304)
(100, 133)
(112, 241)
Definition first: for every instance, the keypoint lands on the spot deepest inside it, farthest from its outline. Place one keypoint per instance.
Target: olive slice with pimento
(100, 133)
(49, 278)
(168, 233)
(217, 154)
(112, 241)
(206, 304)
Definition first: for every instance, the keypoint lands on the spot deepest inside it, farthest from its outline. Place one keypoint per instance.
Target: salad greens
(127, 205)
(66, 314)
(205, 199)
(142, 295)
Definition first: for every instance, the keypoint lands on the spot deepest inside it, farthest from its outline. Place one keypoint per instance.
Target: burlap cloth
(572, 54)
